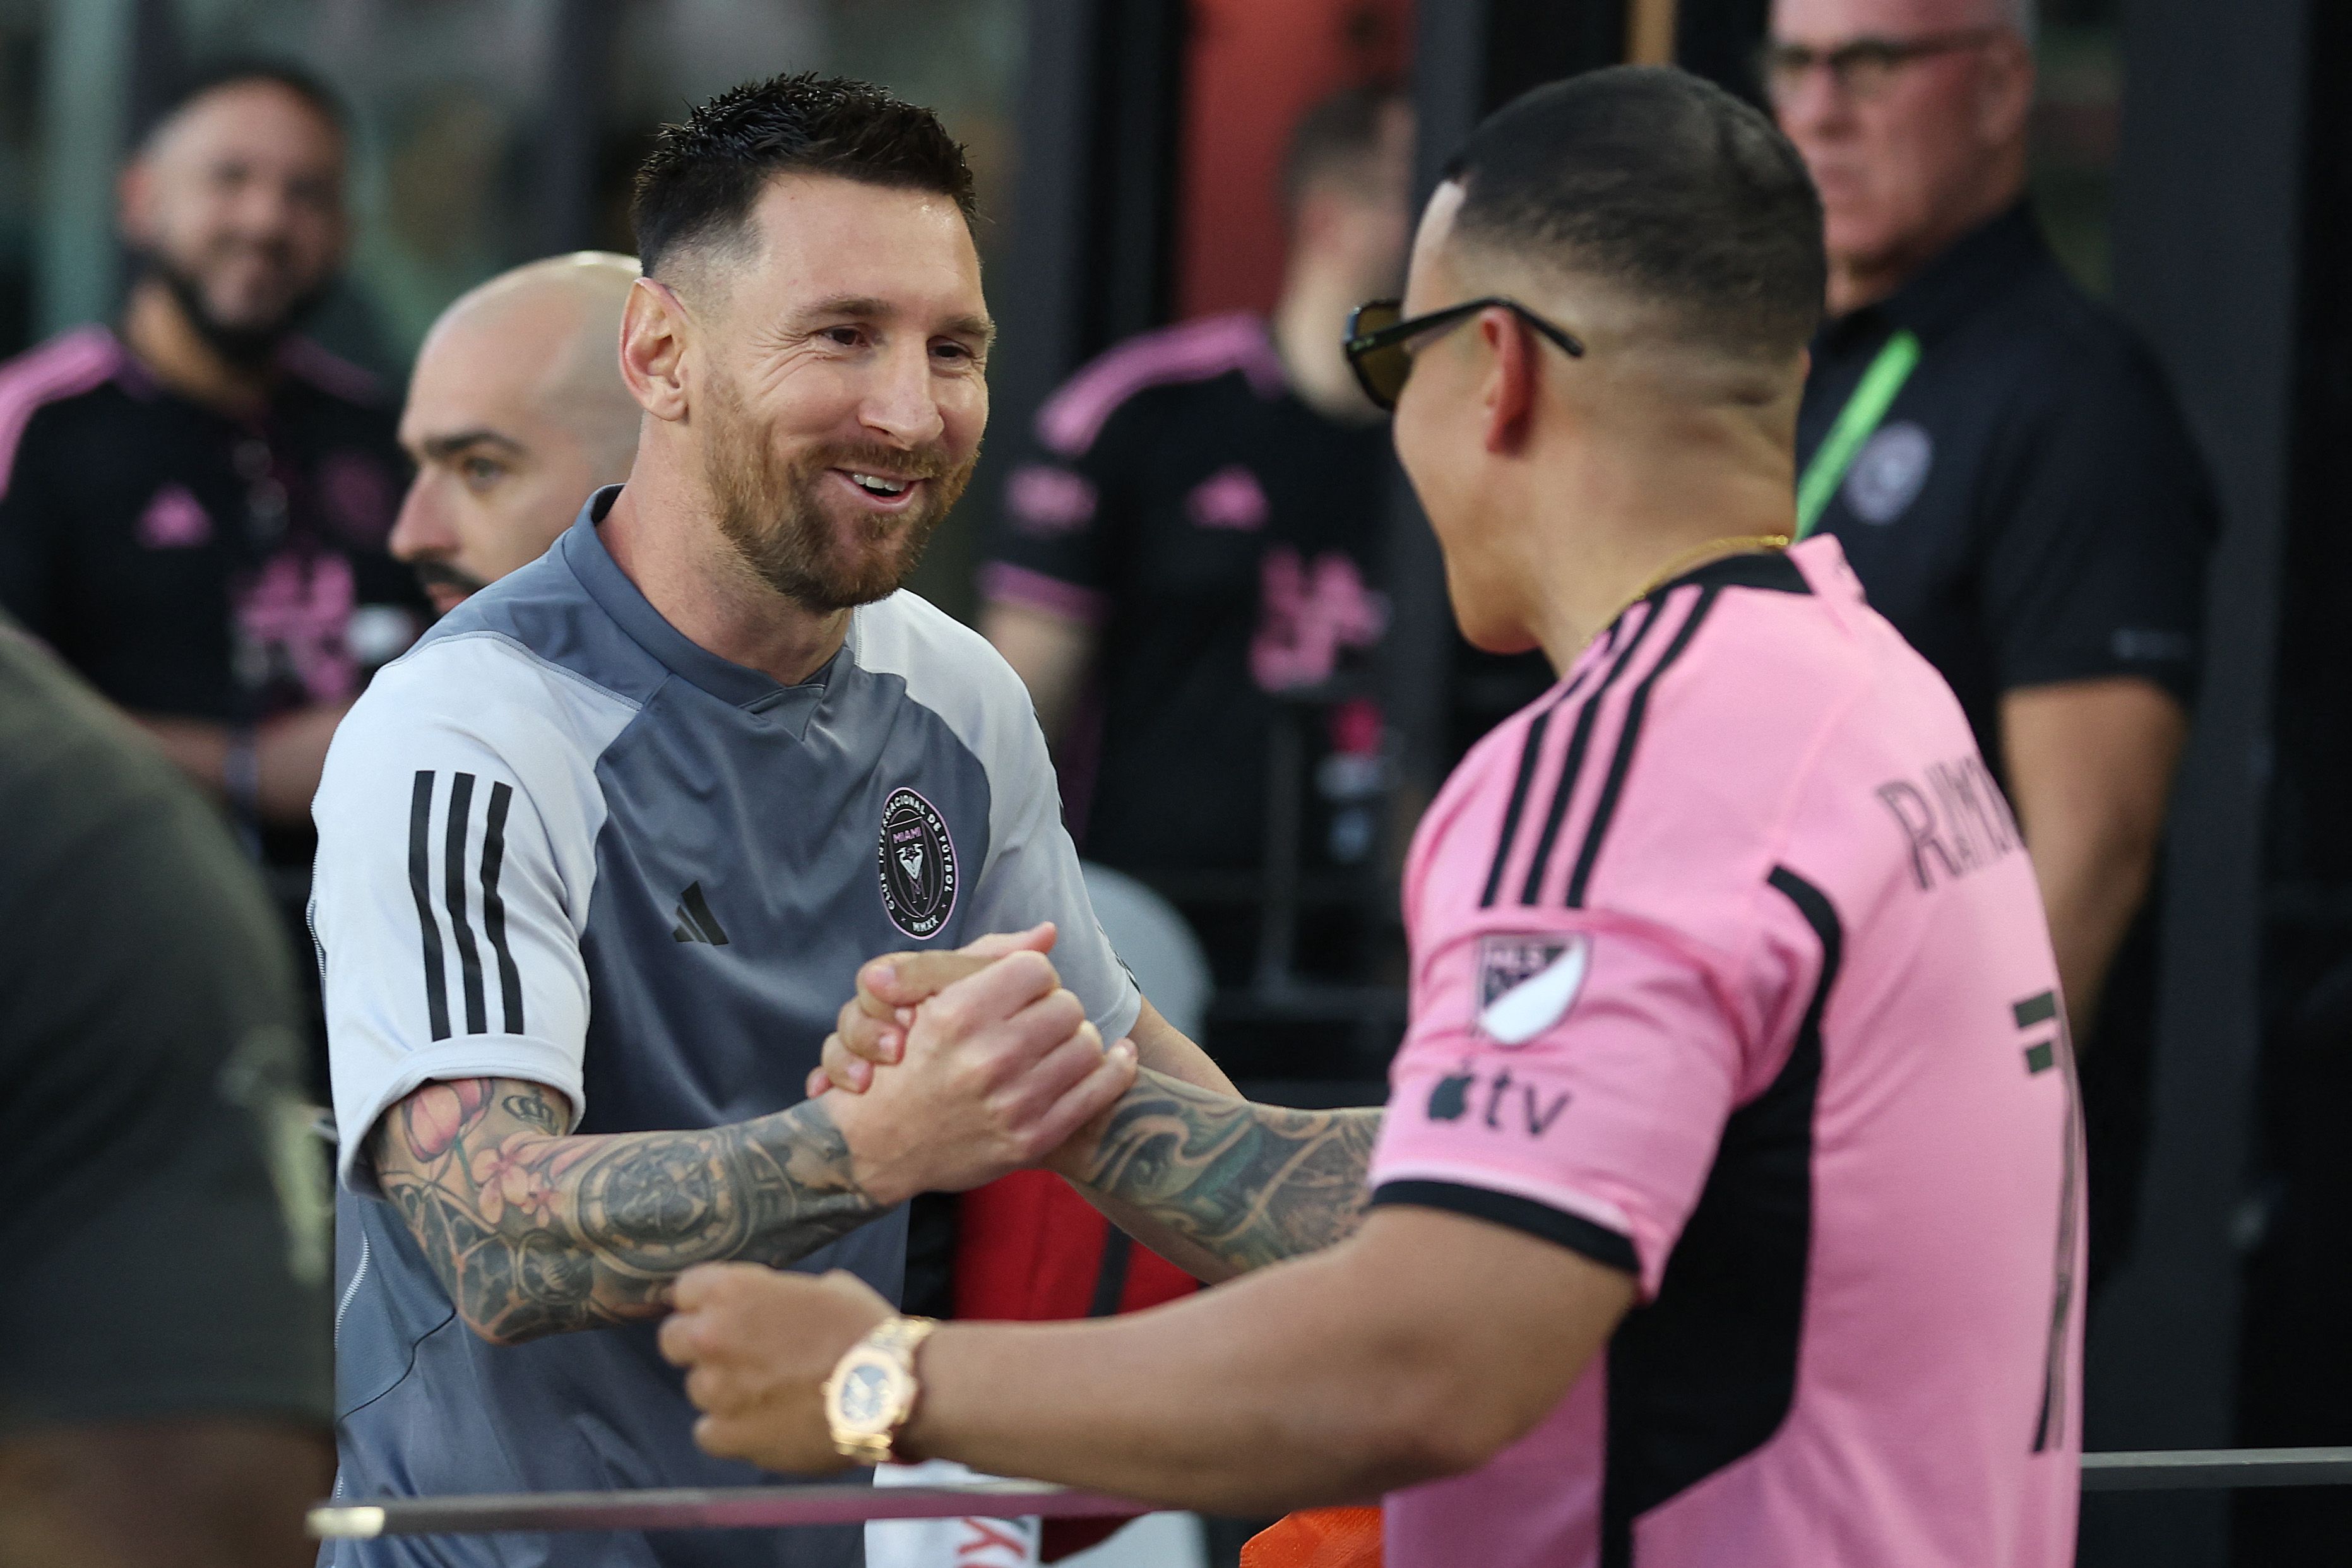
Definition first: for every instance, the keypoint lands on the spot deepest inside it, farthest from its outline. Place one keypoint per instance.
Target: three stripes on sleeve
(453, 891)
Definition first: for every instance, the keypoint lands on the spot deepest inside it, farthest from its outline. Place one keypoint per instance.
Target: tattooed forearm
(1244, 1184)
(535, 1233)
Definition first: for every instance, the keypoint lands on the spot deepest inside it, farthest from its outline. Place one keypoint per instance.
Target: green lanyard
(1855, 423)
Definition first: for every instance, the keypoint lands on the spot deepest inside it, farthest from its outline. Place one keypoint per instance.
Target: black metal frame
(2207, 187)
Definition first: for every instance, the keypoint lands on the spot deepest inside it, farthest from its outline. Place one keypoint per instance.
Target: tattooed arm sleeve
(1219, 1185)
(534, 1232)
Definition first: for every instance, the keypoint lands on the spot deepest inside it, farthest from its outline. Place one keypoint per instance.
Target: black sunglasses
(1377, 337)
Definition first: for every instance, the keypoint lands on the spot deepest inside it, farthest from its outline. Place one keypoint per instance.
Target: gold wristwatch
(872, 1390)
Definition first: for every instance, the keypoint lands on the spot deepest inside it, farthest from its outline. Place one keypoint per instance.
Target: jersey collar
(1943, 293)
(585, 553)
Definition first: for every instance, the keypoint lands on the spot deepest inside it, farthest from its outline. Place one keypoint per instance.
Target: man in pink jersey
(1726, 1206)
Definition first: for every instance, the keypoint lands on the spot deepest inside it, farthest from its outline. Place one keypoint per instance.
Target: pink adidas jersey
(1729, 971)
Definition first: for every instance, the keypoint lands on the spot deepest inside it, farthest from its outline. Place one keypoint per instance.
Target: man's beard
(771, 511)
(248, 344)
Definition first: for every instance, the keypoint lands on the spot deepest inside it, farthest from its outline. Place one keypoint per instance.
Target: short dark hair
(1338, 136)
(1650, 178)
(702, 178)
(241, 70)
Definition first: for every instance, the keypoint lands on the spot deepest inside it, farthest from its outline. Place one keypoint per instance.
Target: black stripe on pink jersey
(1578, 739)
(1610, 1248)
(1531, 753)
(1705, 1373)
(1769, 570)
(1612, 785)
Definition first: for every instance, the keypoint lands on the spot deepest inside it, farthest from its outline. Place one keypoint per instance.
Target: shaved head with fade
(1667, 239)
(1662, 196)
(516, 412)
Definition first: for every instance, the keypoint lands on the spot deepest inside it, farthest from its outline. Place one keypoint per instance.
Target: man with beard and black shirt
(193, 503)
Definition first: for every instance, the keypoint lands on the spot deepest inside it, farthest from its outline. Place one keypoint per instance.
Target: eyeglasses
(1378, 346)
(1862, 69)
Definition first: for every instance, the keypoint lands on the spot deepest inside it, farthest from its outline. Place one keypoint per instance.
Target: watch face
(866, 1394)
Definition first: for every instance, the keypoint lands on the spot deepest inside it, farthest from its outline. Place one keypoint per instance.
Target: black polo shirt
(2031, 510)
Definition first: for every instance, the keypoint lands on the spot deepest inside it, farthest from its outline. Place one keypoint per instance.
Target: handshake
(948, 1069)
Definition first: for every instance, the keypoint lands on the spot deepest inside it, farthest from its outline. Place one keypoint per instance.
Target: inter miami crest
(917, 863)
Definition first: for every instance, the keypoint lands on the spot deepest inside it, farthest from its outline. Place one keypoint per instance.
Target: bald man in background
(516, 412)
(2010, 477)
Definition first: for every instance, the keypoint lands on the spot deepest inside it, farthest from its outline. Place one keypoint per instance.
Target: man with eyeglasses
(2014, 486)
(1724, 1206)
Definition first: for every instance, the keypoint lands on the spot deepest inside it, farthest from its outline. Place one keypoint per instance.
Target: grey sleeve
(1032, 874)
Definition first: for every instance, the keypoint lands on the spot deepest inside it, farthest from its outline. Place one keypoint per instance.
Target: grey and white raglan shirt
(560, 841)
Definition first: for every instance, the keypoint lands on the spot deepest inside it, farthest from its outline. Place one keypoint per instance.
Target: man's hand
(757, 1346)
(871, 1030)
(996, 1071)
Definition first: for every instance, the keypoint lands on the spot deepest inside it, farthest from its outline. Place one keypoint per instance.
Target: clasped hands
(993, 1066)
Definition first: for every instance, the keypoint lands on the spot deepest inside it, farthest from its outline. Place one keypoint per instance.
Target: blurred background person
(2016, 489)
(193, 504)
(516, 414)
(164, 1383)
(1188, 564)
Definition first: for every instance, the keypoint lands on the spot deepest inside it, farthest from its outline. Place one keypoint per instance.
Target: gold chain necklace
(1714, 549)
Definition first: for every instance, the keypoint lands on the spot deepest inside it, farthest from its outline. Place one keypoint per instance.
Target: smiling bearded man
(601, 856)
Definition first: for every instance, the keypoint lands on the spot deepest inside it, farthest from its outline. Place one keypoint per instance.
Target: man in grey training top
(601, 856)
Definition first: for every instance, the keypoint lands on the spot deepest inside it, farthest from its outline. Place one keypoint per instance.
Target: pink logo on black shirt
(1229, 498)
(174, 520)
(1308, 615)
(1044, 500)
(294, 617)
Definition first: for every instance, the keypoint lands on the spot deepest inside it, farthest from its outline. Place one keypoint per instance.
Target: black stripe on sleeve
(1610, 1248)
(1614, 785)
(1578, 742)
(494, 907)
(420, 884)
(469, 957)
(1528, 755)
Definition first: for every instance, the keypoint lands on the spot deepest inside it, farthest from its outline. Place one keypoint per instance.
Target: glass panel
(2076, 126)
(22, 36)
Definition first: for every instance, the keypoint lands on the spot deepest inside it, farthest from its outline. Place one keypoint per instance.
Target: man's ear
(654, 332)
(2005, 98)
(1510, 393)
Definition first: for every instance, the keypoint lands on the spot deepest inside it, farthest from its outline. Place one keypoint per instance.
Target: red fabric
(1319, 1537)
(1030, 1250)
